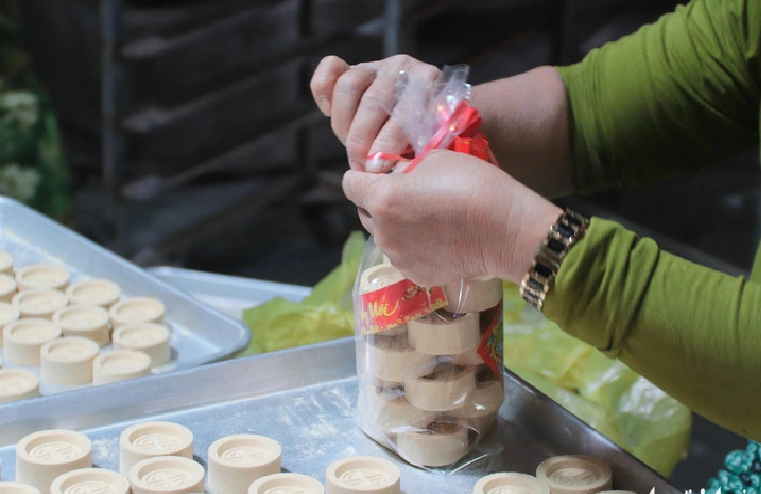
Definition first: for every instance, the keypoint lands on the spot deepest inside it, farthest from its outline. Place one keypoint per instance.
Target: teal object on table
(742, 472)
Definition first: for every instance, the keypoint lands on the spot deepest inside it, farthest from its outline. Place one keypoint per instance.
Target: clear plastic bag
(436, 117)
(429, 359)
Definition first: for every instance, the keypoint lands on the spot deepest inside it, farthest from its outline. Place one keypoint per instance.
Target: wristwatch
(567, 230)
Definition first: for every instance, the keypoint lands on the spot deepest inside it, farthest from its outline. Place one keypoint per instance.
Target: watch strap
(569, 228)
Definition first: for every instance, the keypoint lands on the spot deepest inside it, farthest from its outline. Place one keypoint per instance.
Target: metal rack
(399, 21)
(117, 193)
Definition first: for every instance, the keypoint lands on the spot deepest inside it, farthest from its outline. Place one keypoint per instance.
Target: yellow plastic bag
(326, 314)
(597, 416)
(604, 393)
(280, 324)
(548, 353)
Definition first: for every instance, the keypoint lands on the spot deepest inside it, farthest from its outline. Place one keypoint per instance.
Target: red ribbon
(462, 127)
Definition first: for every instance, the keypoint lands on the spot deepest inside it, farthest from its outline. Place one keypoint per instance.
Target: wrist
(522, 221)
(534, 226)
(531, 237)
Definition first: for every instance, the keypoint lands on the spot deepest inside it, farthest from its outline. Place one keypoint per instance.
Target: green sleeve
(693, 331)
(675, 96)
(672, 97)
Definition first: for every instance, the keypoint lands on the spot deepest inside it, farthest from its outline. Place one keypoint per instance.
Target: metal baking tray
(199, 334)
(229, 295)
(304, 398)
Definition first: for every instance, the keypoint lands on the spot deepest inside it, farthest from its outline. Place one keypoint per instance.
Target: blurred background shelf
(168, 94)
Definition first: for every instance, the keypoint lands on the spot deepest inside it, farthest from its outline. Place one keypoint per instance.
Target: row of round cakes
(57, 328)
(157, 458)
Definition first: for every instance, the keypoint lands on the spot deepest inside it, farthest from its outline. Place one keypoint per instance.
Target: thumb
(357, 185)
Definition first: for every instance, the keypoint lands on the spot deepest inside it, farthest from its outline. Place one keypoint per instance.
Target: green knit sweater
(676, 96)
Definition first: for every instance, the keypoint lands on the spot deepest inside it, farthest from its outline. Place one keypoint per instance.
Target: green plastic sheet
(326, 314)
(604, 393)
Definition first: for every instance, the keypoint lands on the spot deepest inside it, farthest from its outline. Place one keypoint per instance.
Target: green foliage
(33, 169)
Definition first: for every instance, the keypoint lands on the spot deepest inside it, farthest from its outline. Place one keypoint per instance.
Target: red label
(490, 349)
(398, 304)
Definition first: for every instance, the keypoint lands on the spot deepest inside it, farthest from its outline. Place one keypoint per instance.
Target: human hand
(358, 98)
(454, 217)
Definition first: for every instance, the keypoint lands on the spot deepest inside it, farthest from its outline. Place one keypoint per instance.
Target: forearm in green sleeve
(675, 96)
(693, 331)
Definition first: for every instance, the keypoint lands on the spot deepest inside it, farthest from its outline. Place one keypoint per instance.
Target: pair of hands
(455, 216)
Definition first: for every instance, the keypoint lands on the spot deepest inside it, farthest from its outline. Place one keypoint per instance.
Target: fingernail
(377, 166)
(324, 105)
